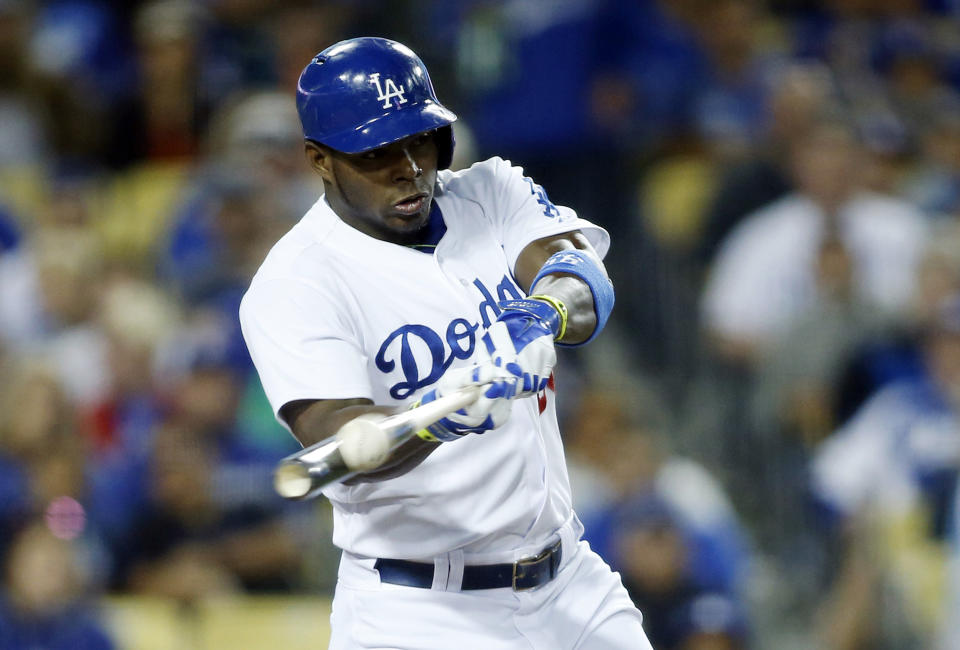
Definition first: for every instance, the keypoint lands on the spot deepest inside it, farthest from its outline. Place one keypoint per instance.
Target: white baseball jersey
(333, 313)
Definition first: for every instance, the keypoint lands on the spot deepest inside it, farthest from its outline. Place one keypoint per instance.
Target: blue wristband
(581, 264)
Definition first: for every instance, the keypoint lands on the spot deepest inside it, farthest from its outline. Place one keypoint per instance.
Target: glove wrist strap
(561, 311)
(545, 312)
(424, 434)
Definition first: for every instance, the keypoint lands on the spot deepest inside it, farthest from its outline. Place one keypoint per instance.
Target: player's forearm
(576, 296)
(403, 459)
(316, 420)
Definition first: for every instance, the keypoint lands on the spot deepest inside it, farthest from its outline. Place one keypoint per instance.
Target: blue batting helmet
(365, 93)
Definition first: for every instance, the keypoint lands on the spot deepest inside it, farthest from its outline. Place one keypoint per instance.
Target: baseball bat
(302, 475)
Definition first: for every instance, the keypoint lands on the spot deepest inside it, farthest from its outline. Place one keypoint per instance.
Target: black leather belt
(528, 573)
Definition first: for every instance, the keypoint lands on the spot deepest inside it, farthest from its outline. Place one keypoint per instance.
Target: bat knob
(303, 475)
(292, 480)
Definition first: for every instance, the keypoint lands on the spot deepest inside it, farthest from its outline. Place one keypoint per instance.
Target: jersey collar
(327, 226)
(433, 233)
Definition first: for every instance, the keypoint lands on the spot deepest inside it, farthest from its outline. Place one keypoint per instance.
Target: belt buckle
(529, 561)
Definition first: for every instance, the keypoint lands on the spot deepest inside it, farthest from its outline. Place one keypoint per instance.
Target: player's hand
(491, 409)
(521, 342)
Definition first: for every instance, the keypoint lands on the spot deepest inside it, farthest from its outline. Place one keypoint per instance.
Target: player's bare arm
(314, 420)
(569, 289)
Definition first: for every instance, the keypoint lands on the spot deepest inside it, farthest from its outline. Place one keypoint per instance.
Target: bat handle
(425, 415)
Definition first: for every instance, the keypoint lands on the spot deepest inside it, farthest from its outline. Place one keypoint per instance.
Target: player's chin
(404, 222)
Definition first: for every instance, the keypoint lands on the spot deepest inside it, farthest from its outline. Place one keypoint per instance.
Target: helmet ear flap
(445, 145)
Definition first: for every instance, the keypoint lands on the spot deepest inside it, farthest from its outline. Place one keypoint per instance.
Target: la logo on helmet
(387, 91)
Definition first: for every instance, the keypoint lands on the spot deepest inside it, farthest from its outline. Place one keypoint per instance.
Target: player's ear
(320, 158)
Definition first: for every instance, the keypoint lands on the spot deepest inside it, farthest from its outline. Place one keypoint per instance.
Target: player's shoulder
(283, 256)
(489, 168)
(479, 178)
(295, 272)
(298, 257)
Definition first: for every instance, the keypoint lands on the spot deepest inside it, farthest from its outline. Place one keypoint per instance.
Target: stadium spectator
(145, 166)
(934, 182)
(619, 454)
(712, 622)
(37, 429)
(799, 93)
(185, 544)
(78, 60)
(764, 275)
(45, 601)
(245, 196)
(164, 117)
(138, 320)
(730, 107)
(949, 634)
(49, 288)
(896, 353)
(17, 285)
(890, 475)
(205, 395)
(653, 554)
(23, 140)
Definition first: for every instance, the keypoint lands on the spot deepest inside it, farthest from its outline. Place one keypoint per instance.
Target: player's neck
(369, 226)
(430, 235)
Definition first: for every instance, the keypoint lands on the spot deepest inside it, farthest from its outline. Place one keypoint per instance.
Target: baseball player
(404, 282)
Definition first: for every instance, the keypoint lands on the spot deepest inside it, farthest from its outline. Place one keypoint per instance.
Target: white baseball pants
(584, 608)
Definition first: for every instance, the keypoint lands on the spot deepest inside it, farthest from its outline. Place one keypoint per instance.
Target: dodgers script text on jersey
(457, 342)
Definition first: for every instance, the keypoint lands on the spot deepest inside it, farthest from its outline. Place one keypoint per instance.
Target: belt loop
(441, 571)
(569, 539)
(455, 578)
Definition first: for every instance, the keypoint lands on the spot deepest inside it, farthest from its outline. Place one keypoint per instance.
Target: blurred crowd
(765, 442)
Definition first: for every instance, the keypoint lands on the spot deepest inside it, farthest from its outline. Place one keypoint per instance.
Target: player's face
(385, 193)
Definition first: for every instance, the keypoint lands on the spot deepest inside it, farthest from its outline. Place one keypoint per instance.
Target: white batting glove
(491, 409)
(521, 342)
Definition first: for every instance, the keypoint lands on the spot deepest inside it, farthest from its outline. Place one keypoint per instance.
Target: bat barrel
(302, 475)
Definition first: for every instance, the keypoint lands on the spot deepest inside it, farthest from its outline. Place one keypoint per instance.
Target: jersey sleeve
(522, 212)
(302, 343)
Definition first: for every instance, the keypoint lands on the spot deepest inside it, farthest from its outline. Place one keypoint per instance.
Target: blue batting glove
(521, 342)
(491, 410)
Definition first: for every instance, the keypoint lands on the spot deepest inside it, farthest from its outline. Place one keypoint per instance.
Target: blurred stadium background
(765, 442)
